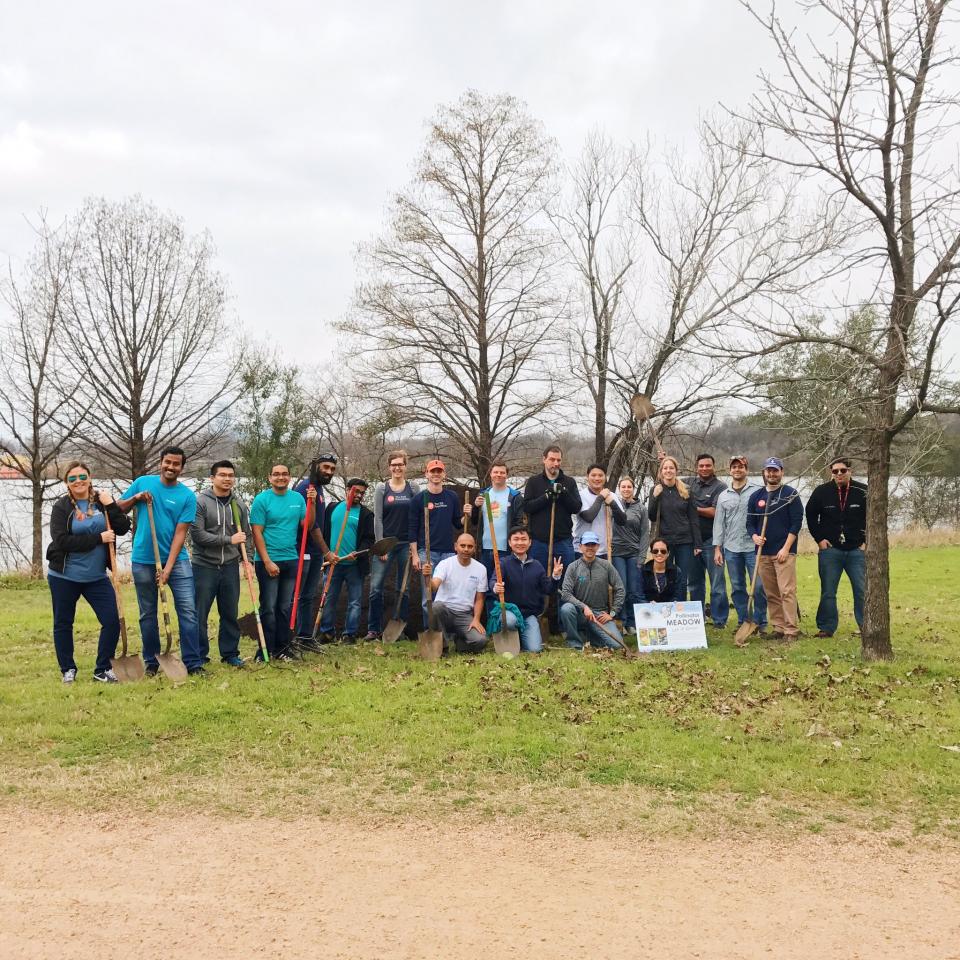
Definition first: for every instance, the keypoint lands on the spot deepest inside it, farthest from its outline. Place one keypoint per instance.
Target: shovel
(429, 641)
(394, 629)
(544, 619)
(749, 626)
(380, 549)
(643, 409)
(504, 641)
(172, 666)
(261, 639)
(128, 668)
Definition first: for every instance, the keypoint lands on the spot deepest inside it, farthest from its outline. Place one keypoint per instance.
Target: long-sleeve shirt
(593, 517)
(445, 517)
(678, 519)
(585, 585)
(536, 505)
(525, 583)
(632, 538)
(784, 516)
(831, 518)
(730, 522)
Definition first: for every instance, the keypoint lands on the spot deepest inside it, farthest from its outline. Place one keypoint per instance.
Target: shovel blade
(128, 669)
(641, 407)
(507, 642)
(172, 666)
(393, 631)
(744, 632)
(430, 645)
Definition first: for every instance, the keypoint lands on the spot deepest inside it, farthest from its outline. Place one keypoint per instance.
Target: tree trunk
(875, 634)
(36, 559)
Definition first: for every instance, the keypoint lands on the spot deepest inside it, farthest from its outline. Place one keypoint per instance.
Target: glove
(554, 491)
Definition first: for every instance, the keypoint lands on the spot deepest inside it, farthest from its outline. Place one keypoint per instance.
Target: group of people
(586, 553)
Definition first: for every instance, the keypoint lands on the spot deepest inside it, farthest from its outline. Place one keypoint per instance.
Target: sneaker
(288, 656)
(326, 637)
(105, 676)
(822, 634)
(348, 638)
(371, 637)
(259, 658)
(234, 661)
(198, 672)
(69, 676)
(149, 671)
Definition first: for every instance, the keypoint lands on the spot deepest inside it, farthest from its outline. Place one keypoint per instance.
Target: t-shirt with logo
(279, 514)
(171, 505)
(446, 515)
(461, 584)
(395, 513)
(500, 508)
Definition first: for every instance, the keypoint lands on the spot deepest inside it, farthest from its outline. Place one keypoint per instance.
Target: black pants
(99, 594)
(223, 585)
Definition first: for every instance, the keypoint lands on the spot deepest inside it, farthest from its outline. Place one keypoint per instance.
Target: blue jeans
(223, 585)
(740, 570)
(561, 548)
(184, 601)
(349, 574)
(313, 573)
(378, 576)
(629, 570)
(435, 558)
(530, 639)
(276, 604)
(703, 567)
(683, 557)
(831, 563)
(574, 624)
(64, 595)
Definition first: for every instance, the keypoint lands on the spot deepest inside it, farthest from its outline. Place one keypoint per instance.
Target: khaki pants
(780, 585)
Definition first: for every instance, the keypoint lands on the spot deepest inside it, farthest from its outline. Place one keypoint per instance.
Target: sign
(670, 626)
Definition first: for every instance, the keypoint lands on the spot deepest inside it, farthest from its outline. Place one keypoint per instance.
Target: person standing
(596, 500)
(551, 491)
(705, 488)
(321, 471)
(391, 518)
(216, 539)
(461, 585)
(778, 549)
(837, 520)
(174, 510)
(584, 592)
(630, 550)
(733, 546)
(356, 524)
(446, 517)
(527, 586)
(275, 517)
(78, 559)
(673, 513)
(506, 505)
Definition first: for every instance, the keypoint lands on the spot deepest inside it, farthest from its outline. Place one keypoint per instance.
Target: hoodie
(213, 527)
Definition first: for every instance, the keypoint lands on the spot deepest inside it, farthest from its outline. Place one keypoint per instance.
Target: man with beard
(319, 475)
(705, 488)
(837, 518)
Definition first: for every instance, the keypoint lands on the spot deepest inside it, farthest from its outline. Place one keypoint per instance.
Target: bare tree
(872, 113)
(725, 239)
(37, 426)
(150, 347)
(457, 305)
(600, 240)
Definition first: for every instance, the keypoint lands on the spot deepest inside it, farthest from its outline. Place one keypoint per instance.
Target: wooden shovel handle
(115, 579)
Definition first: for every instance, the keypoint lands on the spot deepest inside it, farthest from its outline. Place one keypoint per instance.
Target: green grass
(805, 736)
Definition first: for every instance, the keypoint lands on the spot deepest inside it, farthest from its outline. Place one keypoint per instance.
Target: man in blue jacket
(780, 505)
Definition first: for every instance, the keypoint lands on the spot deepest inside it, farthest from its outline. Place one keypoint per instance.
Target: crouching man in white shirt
(460, 583)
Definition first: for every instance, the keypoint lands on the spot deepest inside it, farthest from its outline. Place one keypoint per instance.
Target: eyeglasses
(75, 477)
(657, 553)
(840, 471)
(394, 466)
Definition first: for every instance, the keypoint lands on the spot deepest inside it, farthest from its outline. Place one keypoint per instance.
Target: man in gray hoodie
(216, 539)
(585, 596)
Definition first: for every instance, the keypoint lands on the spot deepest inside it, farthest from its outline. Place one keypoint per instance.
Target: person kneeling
(586, 589)
(460, 584)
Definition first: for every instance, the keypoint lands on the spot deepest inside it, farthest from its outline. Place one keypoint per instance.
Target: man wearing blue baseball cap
(585, 595)
(774, 518)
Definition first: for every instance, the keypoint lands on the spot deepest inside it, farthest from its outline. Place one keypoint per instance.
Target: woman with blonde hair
(78, 561)
(673, 514)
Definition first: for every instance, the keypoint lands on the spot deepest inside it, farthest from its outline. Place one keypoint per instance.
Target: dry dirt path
(72, 887)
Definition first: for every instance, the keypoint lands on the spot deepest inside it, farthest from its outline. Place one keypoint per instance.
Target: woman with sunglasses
(78, 562)
(673, 515)
(661, 579)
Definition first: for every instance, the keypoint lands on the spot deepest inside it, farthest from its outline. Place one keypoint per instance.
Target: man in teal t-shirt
(174, 508)
(275, 516)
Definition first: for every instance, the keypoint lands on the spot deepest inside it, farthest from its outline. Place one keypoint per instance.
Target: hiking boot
(348, 638)
(151, 671)
(234, 661)
(198, 672)
(105, 676)
(69, 676)
(822, 634)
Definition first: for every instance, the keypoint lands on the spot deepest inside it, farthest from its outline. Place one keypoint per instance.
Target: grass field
(805, 735)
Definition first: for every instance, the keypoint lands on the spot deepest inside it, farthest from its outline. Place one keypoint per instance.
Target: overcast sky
(284, 128)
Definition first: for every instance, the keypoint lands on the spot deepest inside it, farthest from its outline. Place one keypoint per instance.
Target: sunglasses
(658, 552)
(839, 471)
(75, 477)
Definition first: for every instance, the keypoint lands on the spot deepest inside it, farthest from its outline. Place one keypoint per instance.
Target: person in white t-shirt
(460, 583)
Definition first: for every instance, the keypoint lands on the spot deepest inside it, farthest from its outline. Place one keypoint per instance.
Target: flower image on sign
(670, 626)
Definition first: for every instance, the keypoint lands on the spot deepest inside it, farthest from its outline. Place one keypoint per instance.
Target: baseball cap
(739, 458)
(435, 465)
(774, 462)
(589, 537)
